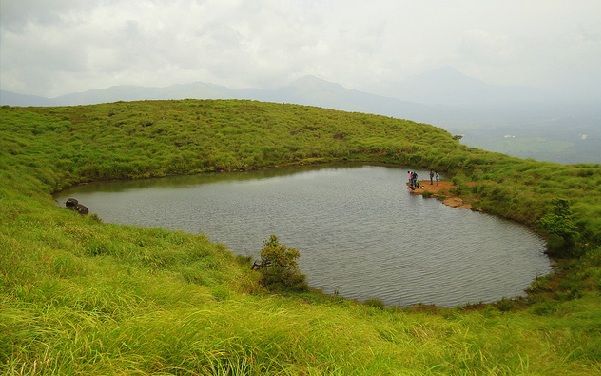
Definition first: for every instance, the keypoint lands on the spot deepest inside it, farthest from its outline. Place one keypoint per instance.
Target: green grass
(81, 297)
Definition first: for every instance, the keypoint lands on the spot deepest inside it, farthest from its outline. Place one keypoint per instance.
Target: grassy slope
(78, 296)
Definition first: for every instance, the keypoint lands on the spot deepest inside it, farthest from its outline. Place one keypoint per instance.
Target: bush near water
(280, 271)
(81, 297)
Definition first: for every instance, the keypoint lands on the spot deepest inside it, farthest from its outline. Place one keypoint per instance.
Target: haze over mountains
(447, 86)
(515, 120)
(308, 90)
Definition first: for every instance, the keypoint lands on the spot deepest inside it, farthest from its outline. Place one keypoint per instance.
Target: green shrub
(561, 228)
(280, 269)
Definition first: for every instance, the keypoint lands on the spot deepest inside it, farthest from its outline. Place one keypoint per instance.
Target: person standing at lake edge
(431, 177)
(437, 177)
(410, 178)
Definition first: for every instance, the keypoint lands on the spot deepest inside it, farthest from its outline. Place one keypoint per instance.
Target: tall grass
(81, 297)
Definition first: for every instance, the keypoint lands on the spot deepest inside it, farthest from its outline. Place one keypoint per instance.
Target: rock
(81, 209)
(71, 203)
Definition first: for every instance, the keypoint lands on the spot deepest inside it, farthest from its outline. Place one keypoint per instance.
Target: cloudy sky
(51, 47)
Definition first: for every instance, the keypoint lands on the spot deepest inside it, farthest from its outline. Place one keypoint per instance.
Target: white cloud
(50, 48)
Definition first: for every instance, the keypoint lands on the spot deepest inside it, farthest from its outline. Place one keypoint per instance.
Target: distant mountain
(442, 96)
(445, 97)
(313, 91)
(16, 99)
(132, 93)
(308, 90)
(449, 87)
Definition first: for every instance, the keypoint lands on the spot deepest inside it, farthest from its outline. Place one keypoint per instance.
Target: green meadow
(78, 296)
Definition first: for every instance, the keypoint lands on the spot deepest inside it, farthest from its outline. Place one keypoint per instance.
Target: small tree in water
(280, 269)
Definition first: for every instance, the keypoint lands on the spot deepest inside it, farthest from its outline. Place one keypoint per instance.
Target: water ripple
(358, 229)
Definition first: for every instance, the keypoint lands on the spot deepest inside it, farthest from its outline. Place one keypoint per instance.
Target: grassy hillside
(81, 297)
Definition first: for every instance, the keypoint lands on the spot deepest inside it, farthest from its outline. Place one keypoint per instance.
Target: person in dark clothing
(431, 177)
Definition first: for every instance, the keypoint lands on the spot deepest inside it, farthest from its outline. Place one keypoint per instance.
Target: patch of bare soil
(439, 190)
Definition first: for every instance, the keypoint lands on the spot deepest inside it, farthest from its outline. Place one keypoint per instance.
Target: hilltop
(538, 124)
(81, 297)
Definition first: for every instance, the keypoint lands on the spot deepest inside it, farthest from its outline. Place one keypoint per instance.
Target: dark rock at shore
(73, 204)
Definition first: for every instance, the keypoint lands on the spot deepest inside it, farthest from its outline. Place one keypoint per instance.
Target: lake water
(358, 229)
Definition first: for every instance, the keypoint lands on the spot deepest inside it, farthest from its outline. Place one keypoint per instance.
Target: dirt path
(441, 190)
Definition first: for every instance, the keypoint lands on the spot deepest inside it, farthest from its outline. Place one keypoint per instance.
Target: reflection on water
(358, 229)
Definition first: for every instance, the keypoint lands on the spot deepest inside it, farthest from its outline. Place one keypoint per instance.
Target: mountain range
(442, 95)
(308, 90)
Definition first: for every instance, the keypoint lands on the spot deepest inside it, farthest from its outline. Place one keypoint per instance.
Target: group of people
(412, 177)
(413, 183)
